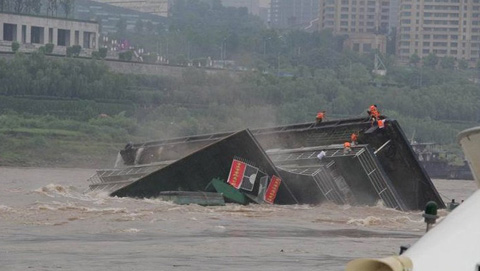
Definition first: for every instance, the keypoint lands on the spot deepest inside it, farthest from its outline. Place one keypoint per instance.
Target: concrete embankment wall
(129, 67)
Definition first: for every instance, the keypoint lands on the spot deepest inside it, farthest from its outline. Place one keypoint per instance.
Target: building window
(87, 39)
(356, 47)
(367, 47)
(63, 38)
(37, 34)
(9, 32)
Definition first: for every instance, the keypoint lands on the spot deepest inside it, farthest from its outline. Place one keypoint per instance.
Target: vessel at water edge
(453, 243)
(380, 167)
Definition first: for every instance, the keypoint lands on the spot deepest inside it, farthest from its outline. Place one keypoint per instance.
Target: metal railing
(379, 180)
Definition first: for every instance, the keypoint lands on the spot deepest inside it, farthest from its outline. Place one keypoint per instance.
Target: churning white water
(48, 222)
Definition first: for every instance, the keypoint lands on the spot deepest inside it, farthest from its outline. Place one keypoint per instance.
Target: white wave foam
(59, 206)
(219, 228)
(395, 221)
(405, 219)
(368, 221)
(6, 209)
(130, 230)
(159, 202)
(51, 190)
(56, 190)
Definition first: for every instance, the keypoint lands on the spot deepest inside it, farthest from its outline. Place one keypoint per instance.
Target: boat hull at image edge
(453, 243)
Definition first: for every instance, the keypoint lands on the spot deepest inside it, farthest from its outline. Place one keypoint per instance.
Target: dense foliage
(434, 103)
(47, 7)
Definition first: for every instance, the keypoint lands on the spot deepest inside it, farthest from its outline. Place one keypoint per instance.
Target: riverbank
(46, 152)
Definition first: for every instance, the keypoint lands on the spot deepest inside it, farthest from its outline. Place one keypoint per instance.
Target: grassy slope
(53, 151)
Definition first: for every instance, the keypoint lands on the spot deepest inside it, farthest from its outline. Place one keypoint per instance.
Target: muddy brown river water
(48, 222)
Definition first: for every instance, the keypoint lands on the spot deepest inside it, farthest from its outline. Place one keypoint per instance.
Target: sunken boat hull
(382, 167)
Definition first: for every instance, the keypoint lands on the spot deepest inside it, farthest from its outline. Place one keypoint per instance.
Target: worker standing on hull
(374, 114)
(320, 117)
(354, 138)
(381, 123)
(347, 148)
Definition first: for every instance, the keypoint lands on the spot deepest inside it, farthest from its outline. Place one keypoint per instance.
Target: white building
(31, 32)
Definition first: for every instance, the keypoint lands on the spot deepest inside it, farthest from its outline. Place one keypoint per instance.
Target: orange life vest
(320, 115)
(346, 145)
(381, 123)
(353, 137)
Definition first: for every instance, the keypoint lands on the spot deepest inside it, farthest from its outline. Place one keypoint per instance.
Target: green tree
(126, 56)
(32, 6)
(414, 59)
(139, 26)
(149, 27)
(102, 52)
(18, 6)
(52, 7)
(67, 6)
(431, 60)
(15, 46)
(4, 5)
(74, 50)
(355, 75)
(462, 64)
(49, 48)
(447, 62)
(121, 27)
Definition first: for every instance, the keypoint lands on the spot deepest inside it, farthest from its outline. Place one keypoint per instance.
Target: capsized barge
(382, 166)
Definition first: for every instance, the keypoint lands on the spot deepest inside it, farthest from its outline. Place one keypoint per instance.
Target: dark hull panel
(389, 170)
(195, 171)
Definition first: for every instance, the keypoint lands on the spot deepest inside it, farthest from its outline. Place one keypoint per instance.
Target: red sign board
(272, 189)
(235, 178)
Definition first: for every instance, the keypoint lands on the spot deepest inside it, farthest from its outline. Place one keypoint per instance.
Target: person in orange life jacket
(354, 138)
(320, 117)
(381, 124)
(373, 113)
(347, 147)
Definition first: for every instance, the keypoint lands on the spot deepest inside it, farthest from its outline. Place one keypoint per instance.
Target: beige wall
(361, 20)
(252, 5)
(449, 28)
(366, 42)
(352, 16)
